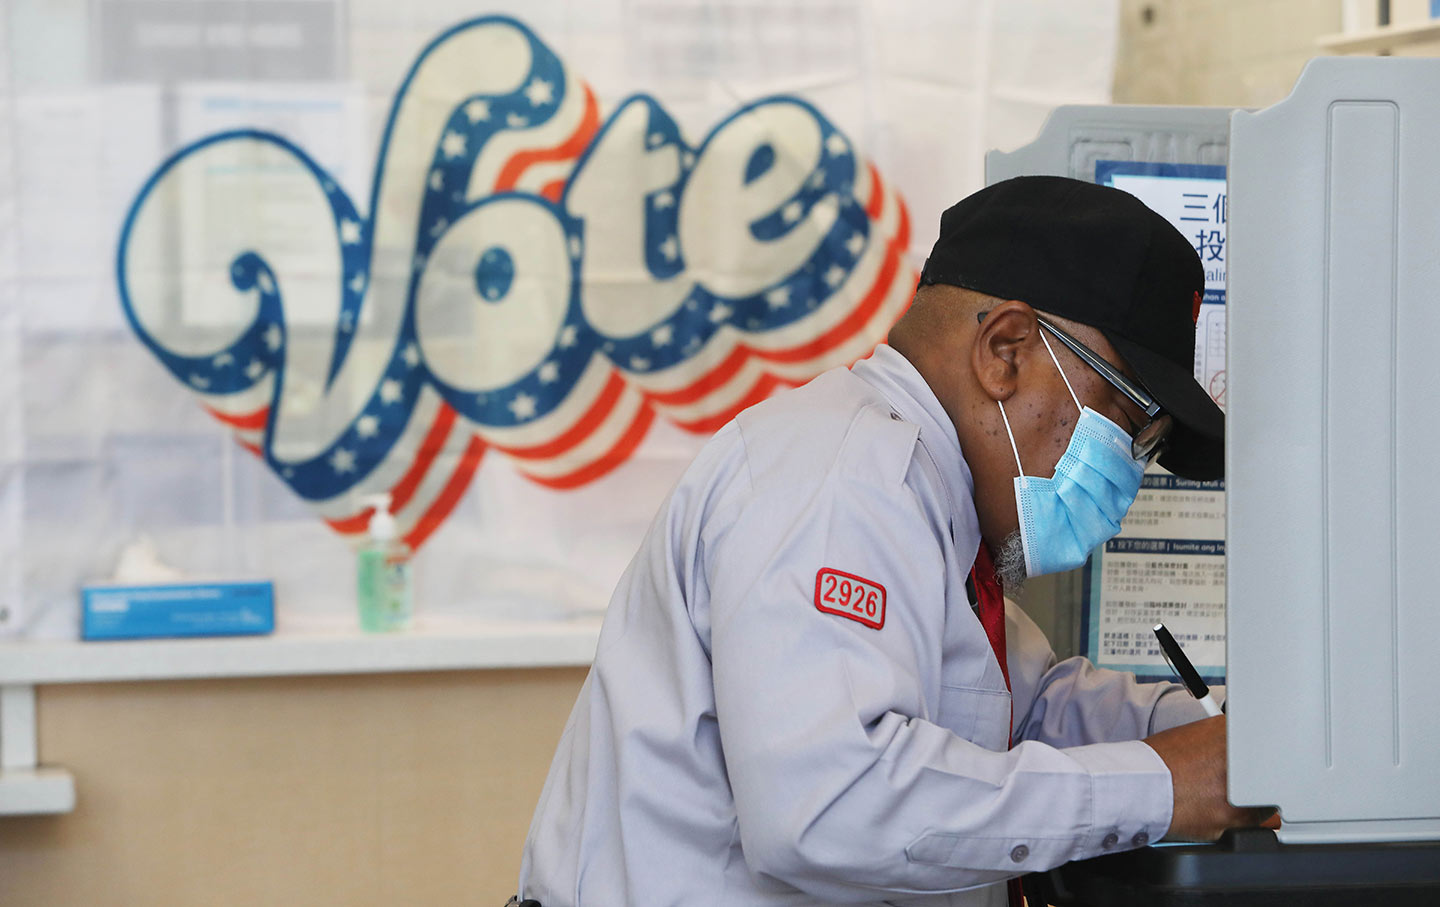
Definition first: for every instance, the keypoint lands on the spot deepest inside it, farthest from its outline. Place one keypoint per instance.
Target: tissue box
(110, 611)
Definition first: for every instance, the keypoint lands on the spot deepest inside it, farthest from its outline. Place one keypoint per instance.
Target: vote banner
(510, 264)
(526, 281)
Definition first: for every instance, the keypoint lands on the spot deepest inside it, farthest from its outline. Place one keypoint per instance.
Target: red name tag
(850, 596)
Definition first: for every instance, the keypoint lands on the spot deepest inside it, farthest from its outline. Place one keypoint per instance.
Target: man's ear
(999, 347)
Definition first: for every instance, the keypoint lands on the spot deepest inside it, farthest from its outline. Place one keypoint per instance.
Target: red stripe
(449, 496)
(352, 524)
(710, 381)
(608, 461)
(761, 389)
(402, 491)
(861, 314)
(245, 421)
(553, 190)
(405, 488)
(254, 449)
(570, 148)
(578, 432)
(852, 324)
(430, 448)
(877, 197)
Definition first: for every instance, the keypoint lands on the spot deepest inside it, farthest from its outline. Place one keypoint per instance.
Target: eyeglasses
(1150, 440)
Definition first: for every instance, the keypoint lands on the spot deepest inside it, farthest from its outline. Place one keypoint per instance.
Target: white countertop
(430, 646)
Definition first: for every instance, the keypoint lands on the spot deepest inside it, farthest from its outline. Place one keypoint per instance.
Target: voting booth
(1330, 204)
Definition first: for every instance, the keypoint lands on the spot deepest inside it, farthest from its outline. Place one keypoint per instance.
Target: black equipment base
(1248, 868)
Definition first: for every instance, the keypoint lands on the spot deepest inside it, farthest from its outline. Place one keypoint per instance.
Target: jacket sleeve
(1072, 702)
(844, 784)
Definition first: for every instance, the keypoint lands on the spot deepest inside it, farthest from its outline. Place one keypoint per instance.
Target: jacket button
(1019, 854)
(1110, 840)
(1140, 839)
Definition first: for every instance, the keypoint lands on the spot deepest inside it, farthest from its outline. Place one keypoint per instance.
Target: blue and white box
(115, 611)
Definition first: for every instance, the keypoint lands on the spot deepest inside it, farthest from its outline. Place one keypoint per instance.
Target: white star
(523, 406)
(575, 247)
(835, 276)
(200, 381)
(453, 144)
(223, 360)
(778, 297)
(791, 212)
(817, 179)
(568, 336)
(639, 363)
(836, 144)
(437, 180)
(549, 373)
(719, 312)
(670, 248)
(254, 370)
(439, 227)
(656, 140)
(515, 121)
(342, 461)
(347, 323)
(411, 355)
(664, 200)
(349, 231)
(367, 426)
(419, 262)
(477, 110)
(357, 283)
(688, 158)
(273, 337)
(266, 284)
(539, 92)
(661, 336)
(390, 391)
(855, 243)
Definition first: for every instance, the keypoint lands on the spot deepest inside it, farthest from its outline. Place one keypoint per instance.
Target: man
(808, 688)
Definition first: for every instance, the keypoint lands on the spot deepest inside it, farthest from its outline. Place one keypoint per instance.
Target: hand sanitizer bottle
(383, 574)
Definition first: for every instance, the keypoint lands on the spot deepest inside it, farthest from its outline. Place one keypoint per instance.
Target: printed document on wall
(1167, 564)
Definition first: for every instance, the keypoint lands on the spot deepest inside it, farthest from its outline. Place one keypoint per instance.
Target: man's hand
(1195, 755)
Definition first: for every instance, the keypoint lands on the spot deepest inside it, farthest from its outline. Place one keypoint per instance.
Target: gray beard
(1010, 564)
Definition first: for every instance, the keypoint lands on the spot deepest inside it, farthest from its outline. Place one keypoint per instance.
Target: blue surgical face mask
(1064, 517)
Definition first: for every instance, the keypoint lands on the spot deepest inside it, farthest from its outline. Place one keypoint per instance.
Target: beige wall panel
(1228, 53)
(365, 790)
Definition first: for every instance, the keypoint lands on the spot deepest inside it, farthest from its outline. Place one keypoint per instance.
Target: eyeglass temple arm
(1142, 398)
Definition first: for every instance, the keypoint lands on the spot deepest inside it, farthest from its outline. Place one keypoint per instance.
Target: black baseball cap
(1099, 256)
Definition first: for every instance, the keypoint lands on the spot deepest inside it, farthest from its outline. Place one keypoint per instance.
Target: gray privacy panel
(1075, 137)
(1334, 381)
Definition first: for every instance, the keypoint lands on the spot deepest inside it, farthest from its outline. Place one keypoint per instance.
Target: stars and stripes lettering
(527, 280)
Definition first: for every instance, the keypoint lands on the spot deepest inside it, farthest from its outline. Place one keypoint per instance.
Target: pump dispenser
(383, 572)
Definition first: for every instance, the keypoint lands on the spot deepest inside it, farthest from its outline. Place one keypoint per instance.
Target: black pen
(1175, 657)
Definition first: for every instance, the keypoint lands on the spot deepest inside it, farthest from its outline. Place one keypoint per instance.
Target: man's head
(1035, 289)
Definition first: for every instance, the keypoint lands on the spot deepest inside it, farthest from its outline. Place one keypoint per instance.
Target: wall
(1232, 53)
(366, 791)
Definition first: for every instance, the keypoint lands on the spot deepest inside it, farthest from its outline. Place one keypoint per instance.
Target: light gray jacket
(752, 733)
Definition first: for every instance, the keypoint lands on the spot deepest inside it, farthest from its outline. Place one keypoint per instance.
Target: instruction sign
(1167, 564)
